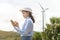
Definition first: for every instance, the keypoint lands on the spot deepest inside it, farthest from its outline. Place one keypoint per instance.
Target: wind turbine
(43, 11)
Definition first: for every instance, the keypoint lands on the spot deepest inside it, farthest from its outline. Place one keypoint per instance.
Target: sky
(9, 9)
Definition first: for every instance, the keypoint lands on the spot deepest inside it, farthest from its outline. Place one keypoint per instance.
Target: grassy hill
(4, 35)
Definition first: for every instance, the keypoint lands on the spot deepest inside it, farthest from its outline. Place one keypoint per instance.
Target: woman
(27, 28)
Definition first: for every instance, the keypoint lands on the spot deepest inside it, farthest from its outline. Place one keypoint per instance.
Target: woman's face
(25, 14)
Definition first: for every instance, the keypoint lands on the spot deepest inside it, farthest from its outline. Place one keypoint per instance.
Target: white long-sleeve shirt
(27, 28)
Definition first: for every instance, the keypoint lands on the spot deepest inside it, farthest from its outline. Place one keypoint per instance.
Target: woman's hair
(30, 13)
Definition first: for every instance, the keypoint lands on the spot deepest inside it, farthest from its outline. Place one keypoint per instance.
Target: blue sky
(9, 9)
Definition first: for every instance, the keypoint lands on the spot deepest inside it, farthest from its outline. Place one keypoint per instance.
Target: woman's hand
(14, 23)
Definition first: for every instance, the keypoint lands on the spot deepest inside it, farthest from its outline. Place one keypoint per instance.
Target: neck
(26, 17)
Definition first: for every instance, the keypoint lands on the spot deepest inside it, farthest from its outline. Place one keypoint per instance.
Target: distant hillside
(4, 35)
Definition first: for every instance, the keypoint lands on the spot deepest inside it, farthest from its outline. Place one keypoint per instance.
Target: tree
(53, 29)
